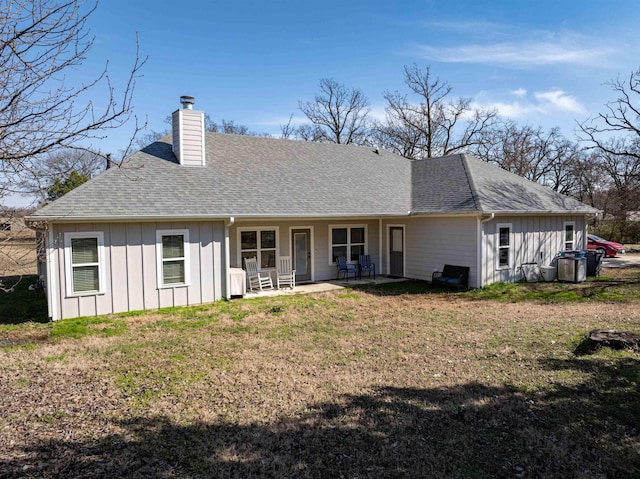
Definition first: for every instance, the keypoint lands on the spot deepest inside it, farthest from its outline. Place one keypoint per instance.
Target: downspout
(480, 269)
(227, 258)
(380, 244)
(50, 285)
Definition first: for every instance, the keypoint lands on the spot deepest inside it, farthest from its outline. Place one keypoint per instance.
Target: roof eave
(506, 212)
(34, 219)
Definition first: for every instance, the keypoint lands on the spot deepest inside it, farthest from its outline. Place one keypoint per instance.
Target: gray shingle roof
(463, 183)
(257, 176)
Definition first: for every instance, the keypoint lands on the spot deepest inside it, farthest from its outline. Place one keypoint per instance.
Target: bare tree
(614, 138)
(338, 115)
(288, 131)
(621, 120)
(41, 113)
(225, 126)
(544, 157)
(58, 165)
(433, 126)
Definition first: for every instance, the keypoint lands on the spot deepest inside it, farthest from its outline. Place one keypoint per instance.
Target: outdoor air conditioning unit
(573, 270)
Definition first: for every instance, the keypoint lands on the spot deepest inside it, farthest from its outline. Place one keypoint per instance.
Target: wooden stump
(600, 338)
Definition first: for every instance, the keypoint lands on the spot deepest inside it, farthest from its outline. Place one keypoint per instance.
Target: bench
(452, 277)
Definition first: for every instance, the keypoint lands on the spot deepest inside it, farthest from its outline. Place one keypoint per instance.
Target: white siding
(535, 239)
(430, 243)
(322, 269)
(188, 137)
(130, 269)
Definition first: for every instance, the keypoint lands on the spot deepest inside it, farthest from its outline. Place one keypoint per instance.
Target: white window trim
(99, 235)
(498, 247)
(366, 242)
(258, 230)
(564, 236)
(159, 258)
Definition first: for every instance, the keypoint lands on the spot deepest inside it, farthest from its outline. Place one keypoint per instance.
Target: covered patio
(321, 286)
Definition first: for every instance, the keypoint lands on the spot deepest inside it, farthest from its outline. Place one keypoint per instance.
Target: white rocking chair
(257, 279)
(286, 275)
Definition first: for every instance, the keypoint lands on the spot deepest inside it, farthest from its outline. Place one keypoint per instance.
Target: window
(569, 235)
(347, 241)
(504, 246)
(260, 244)
(84, 263)
(172, 249)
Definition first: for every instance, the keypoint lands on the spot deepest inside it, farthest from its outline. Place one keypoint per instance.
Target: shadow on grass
(471, 430)
(403, 287)
(22, 305)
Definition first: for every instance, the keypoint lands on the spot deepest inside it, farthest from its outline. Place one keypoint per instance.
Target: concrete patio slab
(322, 286)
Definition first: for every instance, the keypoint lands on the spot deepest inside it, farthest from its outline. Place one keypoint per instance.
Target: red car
(609, 248)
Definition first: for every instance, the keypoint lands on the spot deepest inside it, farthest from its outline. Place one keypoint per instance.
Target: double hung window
(347, 241)
(173, 258)
(260, 244)
(504, 246)
(84, 263)
(569, 235)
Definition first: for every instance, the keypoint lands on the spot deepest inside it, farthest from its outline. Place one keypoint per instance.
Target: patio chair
(256, 278)
(365, 264)
(286, 275)
(345, 268)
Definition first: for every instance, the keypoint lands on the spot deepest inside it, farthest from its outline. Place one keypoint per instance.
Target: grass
(396, 381)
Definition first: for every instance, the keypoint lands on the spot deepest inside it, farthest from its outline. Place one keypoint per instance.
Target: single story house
(167, 226)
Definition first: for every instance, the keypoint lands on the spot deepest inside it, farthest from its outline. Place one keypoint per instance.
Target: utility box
(548, 273)
(572, 270)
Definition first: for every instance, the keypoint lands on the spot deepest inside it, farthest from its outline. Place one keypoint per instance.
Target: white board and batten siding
(432, 242)
(188, 137)
(535, 239)
(130, 268)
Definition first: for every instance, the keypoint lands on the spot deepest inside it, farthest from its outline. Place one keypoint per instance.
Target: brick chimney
(188, 133)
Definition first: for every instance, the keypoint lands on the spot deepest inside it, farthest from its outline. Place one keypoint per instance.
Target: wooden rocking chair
(257, 280)
(286, 275)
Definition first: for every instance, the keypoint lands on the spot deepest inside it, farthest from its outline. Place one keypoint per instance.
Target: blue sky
(539, 62)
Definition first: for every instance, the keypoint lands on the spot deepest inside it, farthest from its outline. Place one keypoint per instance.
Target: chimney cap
(187, 101)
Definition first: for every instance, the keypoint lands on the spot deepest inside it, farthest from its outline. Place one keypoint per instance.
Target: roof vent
(187, 102)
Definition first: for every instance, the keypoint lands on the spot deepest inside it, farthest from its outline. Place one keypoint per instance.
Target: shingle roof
(256, 176)
(462, 183)
(246, 176)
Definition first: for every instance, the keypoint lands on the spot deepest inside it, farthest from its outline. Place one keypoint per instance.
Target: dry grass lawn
(17, 253)
(354, 383)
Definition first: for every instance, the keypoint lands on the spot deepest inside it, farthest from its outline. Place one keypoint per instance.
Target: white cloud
(520, 92)
(511, 46)
(558, 100)
(543, 103)
(517, 54)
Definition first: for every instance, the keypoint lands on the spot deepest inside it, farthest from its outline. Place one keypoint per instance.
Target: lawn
(396, 381)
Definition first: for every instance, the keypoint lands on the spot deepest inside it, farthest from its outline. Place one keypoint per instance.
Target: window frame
(348, 244)
(160, 258)
(508, 247)
(69, 266)
(564, 236)
(258, 230)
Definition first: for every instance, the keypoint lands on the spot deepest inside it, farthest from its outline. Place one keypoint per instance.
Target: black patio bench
(452, 277)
